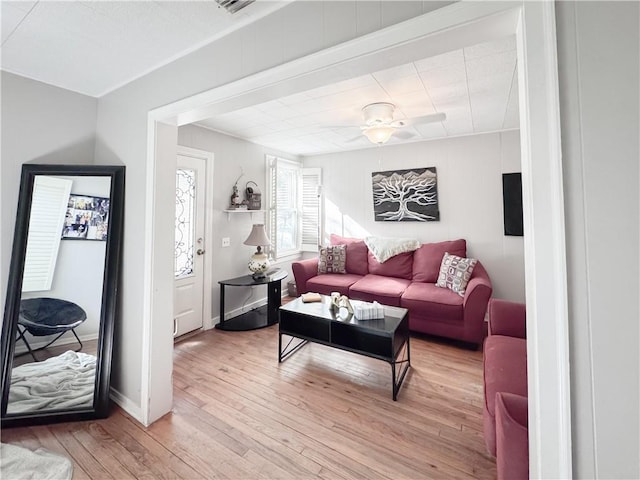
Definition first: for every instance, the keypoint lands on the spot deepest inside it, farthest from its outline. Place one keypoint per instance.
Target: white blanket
(65, 381)
(384, 248)
(17, 463)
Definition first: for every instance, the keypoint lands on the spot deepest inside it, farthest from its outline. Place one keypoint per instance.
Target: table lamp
(259, 262)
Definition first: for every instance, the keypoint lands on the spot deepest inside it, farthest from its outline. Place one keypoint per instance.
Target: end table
(260, 317)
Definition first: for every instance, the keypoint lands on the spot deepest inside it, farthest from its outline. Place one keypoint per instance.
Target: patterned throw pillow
(333, 259)
(455, 273)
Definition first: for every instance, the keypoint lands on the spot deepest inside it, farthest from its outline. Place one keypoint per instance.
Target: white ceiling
(476, 87)
(93, 47)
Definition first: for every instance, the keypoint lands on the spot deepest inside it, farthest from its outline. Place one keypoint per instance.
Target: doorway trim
(545, 259)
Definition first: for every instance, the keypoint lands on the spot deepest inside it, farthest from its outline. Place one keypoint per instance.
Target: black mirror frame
(110, 293)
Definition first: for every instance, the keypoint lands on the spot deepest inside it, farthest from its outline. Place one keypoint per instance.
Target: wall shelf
(234, 211)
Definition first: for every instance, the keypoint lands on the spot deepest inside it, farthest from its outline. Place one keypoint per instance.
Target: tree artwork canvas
(406, 195)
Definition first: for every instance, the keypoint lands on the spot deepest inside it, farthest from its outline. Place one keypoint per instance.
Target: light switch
(226, 242)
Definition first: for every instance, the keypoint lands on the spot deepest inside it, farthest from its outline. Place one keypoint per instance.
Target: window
(294, 201)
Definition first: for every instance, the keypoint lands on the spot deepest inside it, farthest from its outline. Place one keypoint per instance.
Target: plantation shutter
(311, 208)
(272, 211)
(284, 205)
(49, 203)
(294, 207)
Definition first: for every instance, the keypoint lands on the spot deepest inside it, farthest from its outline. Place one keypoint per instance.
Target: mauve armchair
(505, 388)
(512, 437)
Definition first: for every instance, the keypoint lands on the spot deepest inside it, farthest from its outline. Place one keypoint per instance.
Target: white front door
(189, 245)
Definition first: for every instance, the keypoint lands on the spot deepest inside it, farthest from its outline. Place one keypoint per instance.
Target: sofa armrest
(304, 270)
(512, 436)
(507, 318)
(476, 298)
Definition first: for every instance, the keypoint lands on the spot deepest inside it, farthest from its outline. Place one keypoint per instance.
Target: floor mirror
(62, 294)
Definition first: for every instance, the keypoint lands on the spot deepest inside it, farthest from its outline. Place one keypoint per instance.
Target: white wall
(40, 124)
(231, 156)
(294, 31)
(469, 173)
(598, 58)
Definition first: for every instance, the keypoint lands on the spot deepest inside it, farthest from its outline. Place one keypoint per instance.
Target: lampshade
(379, 134)
(258, 236)
(259, 261)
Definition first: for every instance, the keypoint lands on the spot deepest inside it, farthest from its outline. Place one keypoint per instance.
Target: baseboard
(239, 311)
(127, 405)
(208, 325)
(21, 348)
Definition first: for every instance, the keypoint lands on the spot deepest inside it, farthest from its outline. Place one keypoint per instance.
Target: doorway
(534, 25)
(192, 266)
(189, 252)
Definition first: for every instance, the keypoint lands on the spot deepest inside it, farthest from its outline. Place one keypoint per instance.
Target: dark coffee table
(385, 339)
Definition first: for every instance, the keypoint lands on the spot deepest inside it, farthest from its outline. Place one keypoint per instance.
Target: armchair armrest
(476, 298)
(507, 318)
(512, 436)
(304, 270)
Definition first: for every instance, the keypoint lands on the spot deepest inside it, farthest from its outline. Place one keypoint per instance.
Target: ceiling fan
(380, 125)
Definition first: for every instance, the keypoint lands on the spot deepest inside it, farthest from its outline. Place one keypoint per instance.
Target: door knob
(199, 251)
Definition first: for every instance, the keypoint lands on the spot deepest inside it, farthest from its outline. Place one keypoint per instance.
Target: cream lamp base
(259, 264)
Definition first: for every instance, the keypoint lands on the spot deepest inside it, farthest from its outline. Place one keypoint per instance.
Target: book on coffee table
(311, 297)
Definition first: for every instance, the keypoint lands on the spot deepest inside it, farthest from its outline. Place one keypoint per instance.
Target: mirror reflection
(54, 364)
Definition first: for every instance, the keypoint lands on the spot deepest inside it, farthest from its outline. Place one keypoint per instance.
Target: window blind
(272, 212)
(311, 208)
(294, 207)
(48, 207)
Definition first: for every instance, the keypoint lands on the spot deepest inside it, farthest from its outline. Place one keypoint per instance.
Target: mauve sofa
(407, 280)
(505, 389)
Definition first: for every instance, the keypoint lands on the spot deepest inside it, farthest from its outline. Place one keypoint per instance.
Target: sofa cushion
(332, 259)
(386, 290)
(439, 302)
(332, 282)
(455, 273)
(357, 253)
(399, 266)
(505, 368)
(428, 258)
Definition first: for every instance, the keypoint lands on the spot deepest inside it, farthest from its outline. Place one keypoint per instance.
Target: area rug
(17, 463)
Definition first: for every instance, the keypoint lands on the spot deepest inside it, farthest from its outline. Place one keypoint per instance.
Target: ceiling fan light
(378, 113)
(380, 134)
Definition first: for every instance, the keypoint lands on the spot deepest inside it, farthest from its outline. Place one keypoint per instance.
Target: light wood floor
(322, 413)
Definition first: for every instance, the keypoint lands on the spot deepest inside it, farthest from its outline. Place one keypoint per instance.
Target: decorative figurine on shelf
(236, 201)
(235, 198)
